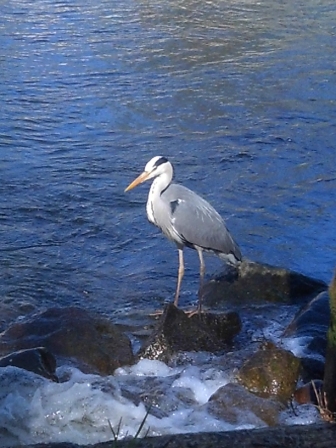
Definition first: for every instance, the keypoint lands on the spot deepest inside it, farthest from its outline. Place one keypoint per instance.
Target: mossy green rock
(271, 371)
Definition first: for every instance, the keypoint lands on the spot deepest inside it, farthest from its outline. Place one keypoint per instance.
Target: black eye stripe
(160, 161)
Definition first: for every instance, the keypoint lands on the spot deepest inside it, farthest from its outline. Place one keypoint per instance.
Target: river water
(239, 95)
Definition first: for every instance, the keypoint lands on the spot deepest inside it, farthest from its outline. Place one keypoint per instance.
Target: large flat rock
(255, 283)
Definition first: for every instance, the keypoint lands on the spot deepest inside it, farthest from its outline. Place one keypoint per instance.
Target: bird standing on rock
(186, 219)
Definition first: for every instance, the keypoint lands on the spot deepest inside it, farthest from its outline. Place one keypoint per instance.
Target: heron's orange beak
(143, 176)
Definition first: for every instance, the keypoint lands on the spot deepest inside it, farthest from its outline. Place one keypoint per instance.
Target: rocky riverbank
(263, 385)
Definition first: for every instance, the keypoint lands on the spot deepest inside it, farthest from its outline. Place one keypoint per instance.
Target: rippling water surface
(240, 95)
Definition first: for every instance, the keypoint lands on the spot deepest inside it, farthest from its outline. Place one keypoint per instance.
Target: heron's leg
(180, 276)
(202, 272)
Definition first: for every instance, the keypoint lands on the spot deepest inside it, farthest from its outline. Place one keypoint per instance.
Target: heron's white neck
(159, 184)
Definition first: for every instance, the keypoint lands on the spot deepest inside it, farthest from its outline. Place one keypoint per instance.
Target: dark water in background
(240, 95)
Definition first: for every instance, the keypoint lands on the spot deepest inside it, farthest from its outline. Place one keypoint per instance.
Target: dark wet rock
(321, 435)
(85, 339)
(257, 282)
(178, 332)
(224, 325)
(311, 368)
(38, 360)
(309, 392)
(271, 371)
(236, 405)
(312, 320)
(317, 345)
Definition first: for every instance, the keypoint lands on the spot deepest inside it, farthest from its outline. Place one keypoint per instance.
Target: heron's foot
(156, 314)
(159, 313)
(198, 311)
(189, 313)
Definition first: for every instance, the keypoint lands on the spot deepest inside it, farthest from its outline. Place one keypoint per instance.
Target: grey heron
(185, 218)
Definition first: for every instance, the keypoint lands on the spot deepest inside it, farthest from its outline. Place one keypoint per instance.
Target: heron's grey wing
(198, 223)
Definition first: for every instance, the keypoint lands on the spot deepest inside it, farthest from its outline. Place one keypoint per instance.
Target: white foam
(201, 387)
(302, 415)
(297, 345)
(146, 367)
(75, 411)
(83, 408)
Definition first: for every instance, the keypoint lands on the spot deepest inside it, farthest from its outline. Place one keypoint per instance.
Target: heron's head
(155, 167)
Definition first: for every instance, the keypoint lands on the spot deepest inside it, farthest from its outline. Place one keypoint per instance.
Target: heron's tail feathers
(231, 258)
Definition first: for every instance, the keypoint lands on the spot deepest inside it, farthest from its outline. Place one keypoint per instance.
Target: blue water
(241, 96)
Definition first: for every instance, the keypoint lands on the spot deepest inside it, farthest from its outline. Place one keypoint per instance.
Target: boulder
(257, 283)
(85, 339)
(311, 323)
(176, 331)
(224, 325)
(312, 320)
(236, 405)
(38, 360)
(271, 372)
